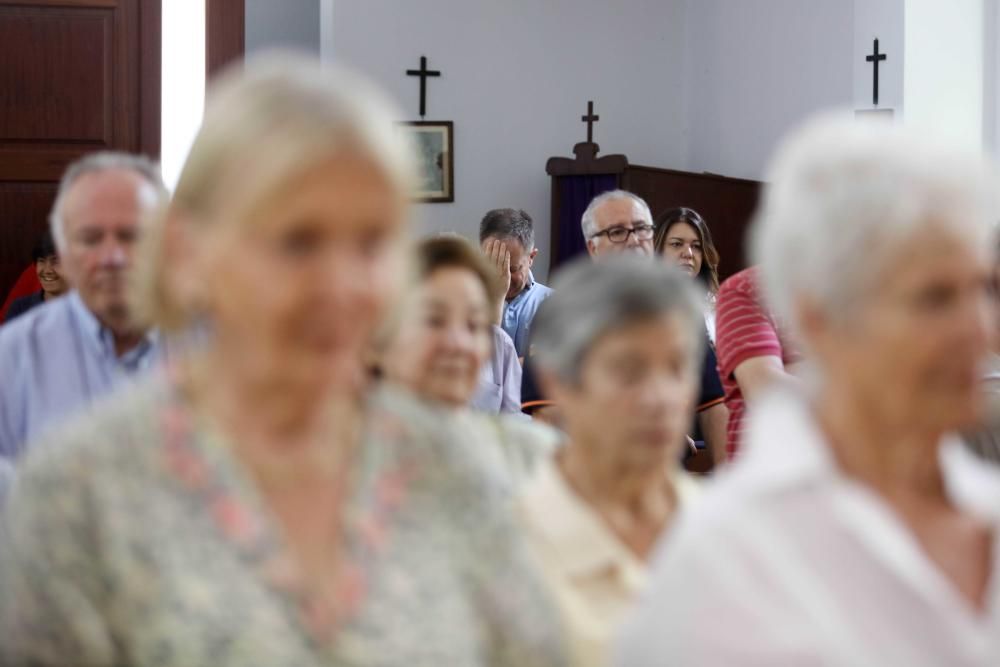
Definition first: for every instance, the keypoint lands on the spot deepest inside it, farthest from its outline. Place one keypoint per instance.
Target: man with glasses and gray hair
(60, 357)
(618, 223)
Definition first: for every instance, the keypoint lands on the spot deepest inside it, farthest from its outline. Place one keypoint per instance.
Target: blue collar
(527, 287)
(100, 337)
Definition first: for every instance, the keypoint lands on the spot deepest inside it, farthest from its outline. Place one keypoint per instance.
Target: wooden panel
(225, 33)
(76, 76)
(726, 204)
(61, 3)
(65, 96)
(150, 69)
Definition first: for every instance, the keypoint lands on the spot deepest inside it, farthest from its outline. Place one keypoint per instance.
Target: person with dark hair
(682, 237)
(50, 275)
(507, 237)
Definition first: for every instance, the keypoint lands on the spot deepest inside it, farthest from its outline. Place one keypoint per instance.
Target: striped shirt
(745, 329)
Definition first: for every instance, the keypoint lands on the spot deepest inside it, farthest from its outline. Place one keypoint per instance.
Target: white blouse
(786, 561)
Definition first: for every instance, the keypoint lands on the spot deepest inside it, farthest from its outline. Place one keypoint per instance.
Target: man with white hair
(60, 357)
(618, 223)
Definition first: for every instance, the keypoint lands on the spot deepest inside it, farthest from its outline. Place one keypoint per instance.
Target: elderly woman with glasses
(261, 503)
(856, 529)
(618, 346)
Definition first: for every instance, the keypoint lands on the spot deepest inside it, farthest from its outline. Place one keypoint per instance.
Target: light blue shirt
(56, 360)
(519, 311)
(499, 388)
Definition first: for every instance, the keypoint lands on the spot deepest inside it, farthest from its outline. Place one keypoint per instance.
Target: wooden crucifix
(423, 73)
(590, 119)
(875, 59)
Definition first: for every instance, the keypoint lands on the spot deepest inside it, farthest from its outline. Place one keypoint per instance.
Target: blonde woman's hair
(264, 125)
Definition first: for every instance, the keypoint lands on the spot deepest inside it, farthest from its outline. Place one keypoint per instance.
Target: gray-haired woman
(856, 530)
(618, 346)
(261, 505)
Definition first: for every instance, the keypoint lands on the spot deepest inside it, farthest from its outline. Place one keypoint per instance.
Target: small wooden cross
(590, 119)
(875, 59)
(423, 73)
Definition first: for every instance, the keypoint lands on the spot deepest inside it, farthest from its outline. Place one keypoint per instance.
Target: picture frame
(434, 141)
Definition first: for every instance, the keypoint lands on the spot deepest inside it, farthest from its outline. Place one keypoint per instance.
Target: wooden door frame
(150, 72)
(225, 33)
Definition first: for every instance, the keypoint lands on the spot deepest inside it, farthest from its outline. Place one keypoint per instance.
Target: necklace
(322, 452)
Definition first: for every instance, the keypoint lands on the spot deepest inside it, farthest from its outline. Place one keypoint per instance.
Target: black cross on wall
(590, 119)
(875, 59)
(423, 73)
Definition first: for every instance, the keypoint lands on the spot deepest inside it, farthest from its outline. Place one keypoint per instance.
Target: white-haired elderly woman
(856, 530)
(618, 346)
(260, 505)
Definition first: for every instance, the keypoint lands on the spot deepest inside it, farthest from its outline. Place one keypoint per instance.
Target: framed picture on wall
(435, 145)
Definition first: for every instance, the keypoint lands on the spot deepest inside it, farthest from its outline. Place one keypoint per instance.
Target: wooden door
(225, 34)
(76, 76)
(727, 205)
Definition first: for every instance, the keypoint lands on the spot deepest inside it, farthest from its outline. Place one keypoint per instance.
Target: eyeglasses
(620, 234)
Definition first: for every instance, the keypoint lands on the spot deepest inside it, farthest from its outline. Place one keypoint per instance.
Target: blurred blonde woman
(260, 504)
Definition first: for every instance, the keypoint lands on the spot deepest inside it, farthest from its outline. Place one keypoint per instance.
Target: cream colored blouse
(592, 575)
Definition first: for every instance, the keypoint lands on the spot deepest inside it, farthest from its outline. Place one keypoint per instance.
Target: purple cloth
(499, 389)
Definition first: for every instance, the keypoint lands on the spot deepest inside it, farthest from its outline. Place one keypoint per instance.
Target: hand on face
(513, 261)
(499, 256)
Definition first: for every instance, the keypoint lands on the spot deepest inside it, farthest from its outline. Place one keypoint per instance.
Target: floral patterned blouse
(135, 538)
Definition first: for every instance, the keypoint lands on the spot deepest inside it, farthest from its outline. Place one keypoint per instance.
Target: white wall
(944, 68)
(991, 73)
(704, 85)
(516, 79)
(755, 69)
(291, 24)
(881, 19)
(182, 83)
